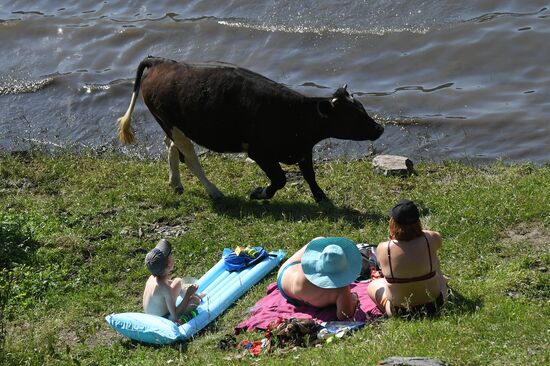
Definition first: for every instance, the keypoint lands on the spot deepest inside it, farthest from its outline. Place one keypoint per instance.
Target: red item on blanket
(274, 306)
(253, 347)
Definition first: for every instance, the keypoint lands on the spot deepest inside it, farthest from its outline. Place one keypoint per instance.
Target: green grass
(74, 231)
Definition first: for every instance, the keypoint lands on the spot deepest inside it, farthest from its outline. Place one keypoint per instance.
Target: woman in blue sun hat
(320, 273)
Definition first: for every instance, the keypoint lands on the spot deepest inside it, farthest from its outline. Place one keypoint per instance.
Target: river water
(451, 80)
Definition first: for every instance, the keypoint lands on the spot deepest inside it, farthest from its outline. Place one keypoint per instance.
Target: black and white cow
(226, 108)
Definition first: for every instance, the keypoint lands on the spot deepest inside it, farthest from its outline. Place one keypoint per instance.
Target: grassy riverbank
(74, 232)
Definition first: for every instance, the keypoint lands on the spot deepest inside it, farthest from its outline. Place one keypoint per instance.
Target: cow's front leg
(173, 163)
(275, 174)
(306, 167)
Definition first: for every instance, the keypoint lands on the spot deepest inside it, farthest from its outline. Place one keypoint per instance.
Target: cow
(229, 109)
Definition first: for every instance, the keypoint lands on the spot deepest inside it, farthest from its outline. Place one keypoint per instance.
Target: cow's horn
(345, 87)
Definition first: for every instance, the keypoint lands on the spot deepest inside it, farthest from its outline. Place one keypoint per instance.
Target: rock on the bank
(392, 165)
(411, 361)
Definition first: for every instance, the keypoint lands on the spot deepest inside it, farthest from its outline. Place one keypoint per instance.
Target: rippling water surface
(450, 79)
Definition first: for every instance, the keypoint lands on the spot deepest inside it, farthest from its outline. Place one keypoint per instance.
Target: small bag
(242, 258)
(369, 264)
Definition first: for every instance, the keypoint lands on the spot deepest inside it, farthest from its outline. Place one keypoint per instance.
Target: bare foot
(192, 289)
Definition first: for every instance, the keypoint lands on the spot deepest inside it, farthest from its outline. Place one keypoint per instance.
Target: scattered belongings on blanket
(411, 361)
(252, 347)
(227, 342)
(391, 165)
(291, 333)
(337, 329)
(274, 306)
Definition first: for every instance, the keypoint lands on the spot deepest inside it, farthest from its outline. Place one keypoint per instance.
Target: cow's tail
(125, 134)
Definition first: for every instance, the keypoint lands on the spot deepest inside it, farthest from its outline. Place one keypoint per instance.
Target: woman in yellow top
(412, 280)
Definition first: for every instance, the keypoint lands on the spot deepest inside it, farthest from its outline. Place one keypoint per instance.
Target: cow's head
(347, 119)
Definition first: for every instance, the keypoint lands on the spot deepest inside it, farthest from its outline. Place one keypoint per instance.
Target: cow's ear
(324, 108)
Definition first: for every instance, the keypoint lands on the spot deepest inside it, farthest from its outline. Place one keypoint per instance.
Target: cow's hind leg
(306, 167)
(173, 162)
(277, 176)
(186, 147)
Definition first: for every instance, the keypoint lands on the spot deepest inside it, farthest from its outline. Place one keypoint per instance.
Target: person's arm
(296, 257)
(171, 305)
(180, 309)
(436, 240)
(382, 255)
(171, 297)
(346, 304)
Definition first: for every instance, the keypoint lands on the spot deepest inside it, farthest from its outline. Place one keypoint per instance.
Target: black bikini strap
(389, 258)
(429, 253)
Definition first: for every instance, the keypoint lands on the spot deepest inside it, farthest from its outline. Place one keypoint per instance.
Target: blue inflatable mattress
(220, 288)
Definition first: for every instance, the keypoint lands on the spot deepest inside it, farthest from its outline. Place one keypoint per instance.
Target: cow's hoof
(216, 195)
(259, 193)
(320, 197)
(178, 190)
(325, 204)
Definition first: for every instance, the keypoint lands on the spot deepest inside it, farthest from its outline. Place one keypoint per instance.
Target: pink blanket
(274, 306)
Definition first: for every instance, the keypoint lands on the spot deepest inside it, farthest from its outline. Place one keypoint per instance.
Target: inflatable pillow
(145, 328)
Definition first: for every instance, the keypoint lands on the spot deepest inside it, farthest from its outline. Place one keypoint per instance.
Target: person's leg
(377, 292)
(194, 302)
(443, 285)
(374, 288)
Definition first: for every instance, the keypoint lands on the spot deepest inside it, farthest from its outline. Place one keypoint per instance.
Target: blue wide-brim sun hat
(332, 262)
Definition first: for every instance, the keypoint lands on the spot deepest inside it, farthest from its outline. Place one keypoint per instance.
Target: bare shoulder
(434, 236)
(151, 283)
(163, 288)
(381, 247)
(296, 257)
